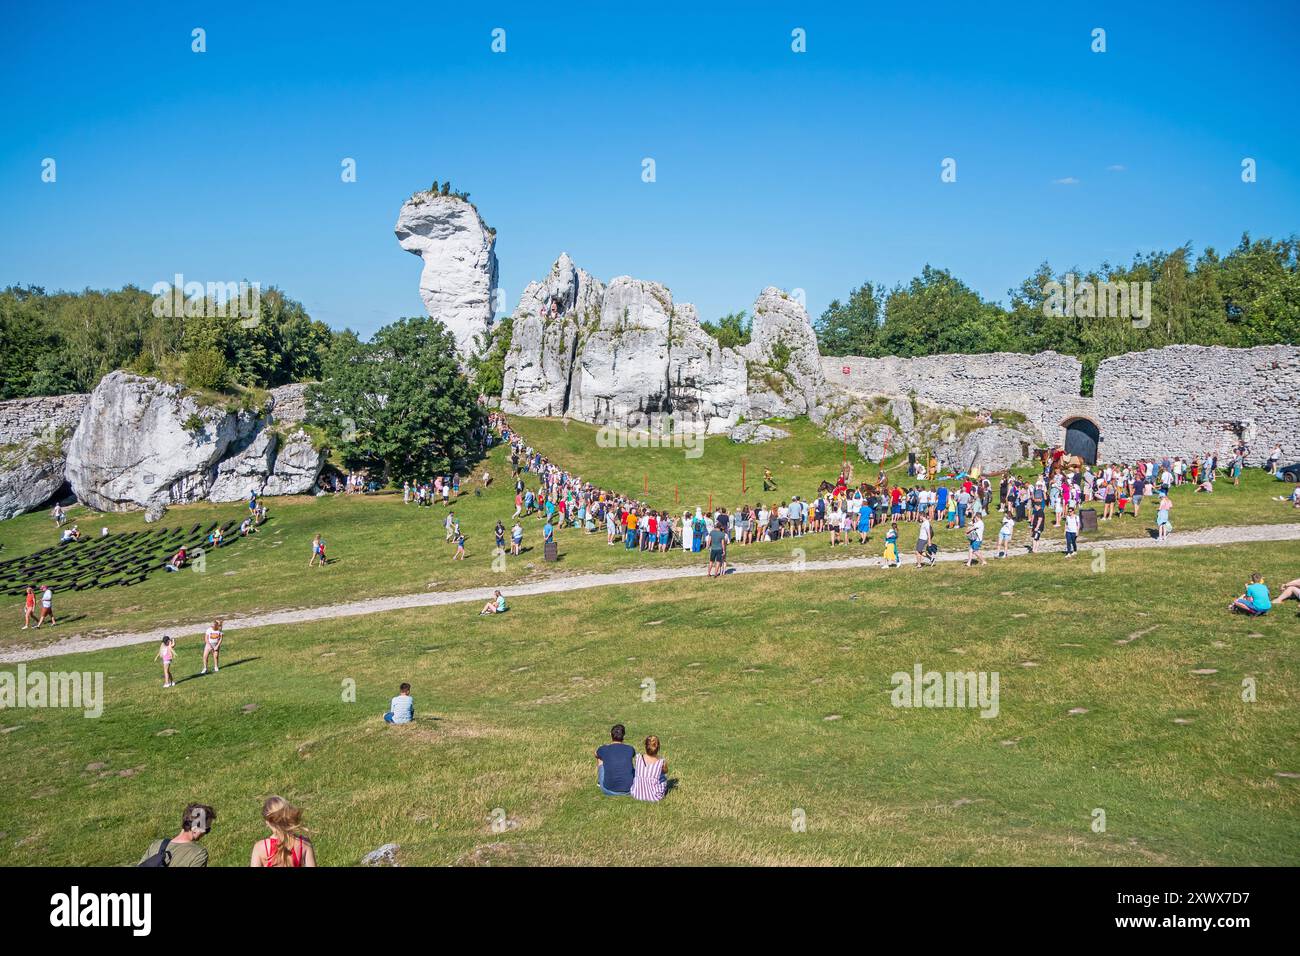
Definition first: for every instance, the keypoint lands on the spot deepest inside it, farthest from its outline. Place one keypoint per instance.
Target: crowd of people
(1068, 490)
(843, 510)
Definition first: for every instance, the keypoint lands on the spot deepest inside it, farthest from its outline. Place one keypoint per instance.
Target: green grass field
(771, 693)
(381, 547)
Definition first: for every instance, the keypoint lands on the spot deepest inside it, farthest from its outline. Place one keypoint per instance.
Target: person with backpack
(183, 849)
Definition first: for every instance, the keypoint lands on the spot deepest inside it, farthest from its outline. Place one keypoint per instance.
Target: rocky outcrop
(145, 444)
(549, 325)
(784, 364)
(628, 355)
(141, 441)
(459, 278)
(992, 448)
(244, 470)
(752, 433)
(297, 465)
(34, 438)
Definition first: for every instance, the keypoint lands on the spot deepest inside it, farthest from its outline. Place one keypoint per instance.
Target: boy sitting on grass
(1254, 600)
(402, 707)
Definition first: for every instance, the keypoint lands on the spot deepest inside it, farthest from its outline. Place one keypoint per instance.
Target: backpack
(161, 858)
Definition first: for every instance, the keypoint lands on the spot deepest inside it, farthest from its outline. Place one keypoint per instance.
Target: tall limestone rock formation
(625, 354)
(549, 324)
(459, 278)
(143, 443)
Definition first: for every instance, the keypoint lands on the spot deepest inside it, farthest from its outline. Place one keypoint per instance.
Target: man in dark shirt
(718, 550)
(614, 765)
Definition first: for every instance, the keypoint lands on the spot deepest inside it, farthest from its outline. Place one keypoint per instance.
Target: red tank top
(271, 845)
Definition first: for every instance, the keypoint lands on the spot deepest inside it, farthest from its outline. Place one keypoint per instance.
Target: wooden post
(710, 502)
(742, 476)
(675, 497)
(645, 483)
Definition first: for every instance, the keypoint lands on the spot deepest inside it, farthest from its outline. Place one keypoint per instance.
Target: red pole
(710, 502)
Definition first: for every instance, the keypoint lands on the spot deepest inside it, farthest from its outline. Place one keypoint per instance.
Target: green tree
(398, 404)
(938, 313)
(731, 331)
(489, 361)
(851, 328)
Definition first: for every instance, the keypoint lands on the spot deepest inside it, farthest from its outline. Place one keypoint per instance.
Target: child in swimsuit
(165, 653)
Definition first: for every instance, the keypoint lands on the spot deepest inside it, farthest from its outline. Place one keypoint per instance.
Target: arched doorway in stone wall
(1081, 438)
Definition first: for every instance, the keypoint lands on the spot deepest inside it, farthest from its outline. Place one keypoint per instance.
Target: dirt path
(76, 644)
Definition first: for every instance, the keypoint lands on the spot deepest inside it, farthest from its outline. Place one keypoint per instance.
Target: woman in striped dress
(650, 782)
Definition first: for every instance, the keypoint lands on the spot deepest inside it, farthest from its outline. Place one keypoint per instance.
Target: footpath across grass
(1123, 692)
(381, 547)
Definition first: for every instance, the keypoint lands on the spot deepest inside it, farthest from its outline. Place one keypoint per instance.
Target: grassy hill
(381, 547)
(771, 695)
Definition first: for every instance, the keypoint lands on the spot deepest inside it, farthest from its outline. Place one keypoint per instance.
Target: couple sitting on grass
(1255, 599)
(621, 771)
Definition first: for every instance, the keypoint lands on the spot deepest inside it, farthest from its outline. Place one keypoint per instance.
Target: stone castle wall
(24, 418)
(1178, 400)
(1039, 386)
(1189, 399)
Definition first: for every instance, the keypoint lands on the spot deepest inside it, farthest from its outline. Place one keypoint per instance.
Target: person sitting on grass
(178, 560)
(401, 709)
(1254, 600)
(1289, 590)
(287, 846)
(615, 767)
(650, 773)
(495, 606)
(183, 849)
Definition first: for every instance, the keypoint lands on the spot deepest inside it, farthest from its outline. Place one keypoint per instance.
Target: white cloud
(1066, 181)
(1117, 168)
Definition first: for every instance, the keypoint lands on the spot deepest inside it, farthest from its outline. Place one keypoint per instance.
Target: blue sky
(817, 170)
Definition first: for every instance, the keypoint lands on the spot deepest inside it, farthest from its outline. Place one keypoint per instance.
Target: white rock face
(297, 466)
(132, 449)
(992, 448)
(548, 325)
(459, 277)
(628, 355)
(245, 469)
(752, 433)
(34, 438)
(785, 364)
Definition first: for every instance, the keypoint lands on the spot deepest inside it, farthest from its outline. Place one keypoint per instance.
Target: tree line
(1248, 297)
(54, 343)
